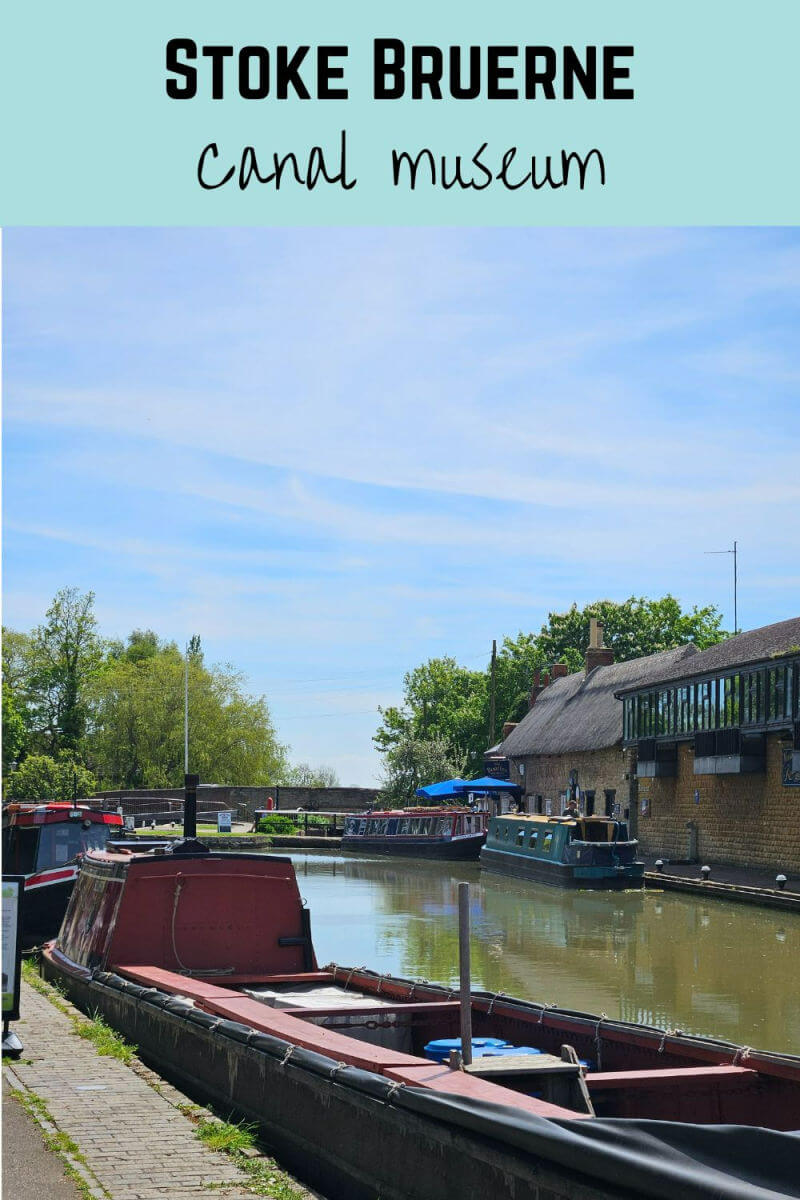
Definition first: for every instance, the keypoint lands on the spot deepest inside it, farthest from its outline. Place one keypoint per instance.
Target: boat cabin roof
(48, 813)
(437, 810)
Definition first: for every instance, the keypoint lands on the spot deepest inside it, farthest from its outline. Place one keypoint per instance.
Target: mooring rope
(598, 1040)
(496, 996)
(287, 1055)
(334, 1071)
(741, 1054)
(394, 1088)
(543, 1010)
(184, 970)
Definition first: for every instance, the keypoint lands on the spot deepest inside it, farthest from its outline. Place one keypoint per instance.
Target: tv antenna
(735, 583)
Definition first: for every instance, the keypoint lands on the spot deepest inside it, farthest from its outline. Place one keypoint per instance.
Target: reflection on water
(702, 966)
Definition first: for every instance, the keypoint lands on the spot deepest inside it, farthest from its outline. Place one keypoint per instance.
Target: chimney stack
(540, 682)
(597, 655)
(507, 727)
(559, 670)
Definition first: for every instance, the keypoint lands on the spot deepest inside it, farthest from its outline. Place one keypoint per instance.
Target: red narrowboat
(205, 961)
(44, 843)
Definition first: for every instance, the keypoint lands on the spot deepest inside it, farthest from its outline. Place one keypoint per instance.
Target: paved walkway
(135, 1143)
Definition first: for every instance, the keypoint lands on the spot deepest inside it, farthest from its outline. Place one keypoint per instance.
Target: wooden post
(464, 973)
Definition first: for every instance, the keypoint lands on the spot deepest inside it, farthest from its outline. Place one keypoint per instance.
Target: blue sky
(336, 453)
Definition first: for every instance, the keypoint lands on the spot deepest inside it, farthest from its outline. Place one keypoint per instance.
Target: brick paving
(137, 1144)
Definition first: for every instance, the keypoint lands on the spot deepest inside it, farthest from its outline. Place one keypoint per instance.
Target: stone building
(570, 741)
(717, 752)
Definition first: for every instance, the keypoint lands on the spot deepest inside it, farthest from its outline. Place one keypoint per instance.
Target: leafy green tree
(13, 730)
(63, 655)
(413, 762)
(446, 701)
(442, 702)
(137, 737)
(42, 777)
(303, 775)
(633, 629)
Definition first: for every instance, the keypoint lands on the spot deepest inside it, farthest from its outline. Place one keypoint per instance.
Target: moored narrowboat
(453, 832)
(43, 842)
(205, 961)
(584, 852)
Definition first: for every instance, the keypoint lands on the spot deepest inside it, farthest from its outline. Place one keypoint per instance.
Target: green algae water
(673, 960)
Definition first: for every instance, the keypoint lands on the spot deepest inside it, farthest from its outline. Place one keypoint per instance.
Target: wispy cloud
(331, 451)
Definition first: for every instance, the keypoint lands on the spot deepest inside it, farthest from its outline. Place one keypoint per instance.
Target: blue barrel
(503, 1051)
(439, 1050)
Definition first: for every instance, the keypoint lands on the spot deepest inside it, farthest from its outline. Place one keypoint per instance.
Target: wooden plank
(447, 1007)
(440, 1078)
(682, 1077)
(522, 1064)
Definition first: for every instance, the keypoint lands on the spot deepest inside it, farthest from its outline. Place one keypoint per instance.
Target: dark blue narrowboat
(583, 852)
(453, 832)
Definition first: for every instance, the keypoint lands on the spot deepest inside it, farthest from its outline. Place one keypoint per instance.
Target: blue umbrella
(485, 784)
(441, 791)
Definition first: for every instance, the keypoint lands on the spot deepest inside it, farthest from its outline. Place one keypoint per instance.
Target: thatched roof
(757, 645)
(580, 712)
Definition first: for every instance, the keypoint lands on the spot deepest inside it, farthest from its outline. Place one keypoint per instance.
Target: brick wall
(548, 775)
(242, 800)
(748, 820)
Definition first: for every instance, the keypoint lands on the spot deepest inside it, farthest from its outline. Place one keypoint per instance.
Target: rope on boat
(394, 1088)
(741, 1054)
(598, 1040)
(380, 984)
(184, 970)
(288, 1055)
(496, 996)
(543, 1010)
(334, 1071)
(352, 973)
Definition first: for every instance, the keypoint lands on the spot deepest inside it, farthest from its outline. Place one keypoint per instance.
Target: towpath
(126, 1133)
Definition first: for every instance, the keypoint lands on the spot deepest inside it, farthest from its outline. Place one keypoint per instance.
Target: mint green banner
(91, 137)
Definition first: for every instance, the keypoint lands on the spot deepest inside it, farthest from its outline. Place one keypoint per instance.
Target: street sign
(13, 898)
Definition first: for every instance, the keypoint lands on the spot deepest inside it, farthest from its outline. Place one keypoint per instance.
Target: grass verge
(94, 1029)
(239, 1141)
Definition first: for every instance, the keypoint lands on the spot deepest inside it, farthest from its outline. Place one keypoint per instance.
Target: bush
(276, 823)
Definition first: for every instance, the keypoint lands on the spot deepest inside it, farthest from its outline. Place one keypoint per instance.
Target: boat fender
(198, 1017)
(352, 973)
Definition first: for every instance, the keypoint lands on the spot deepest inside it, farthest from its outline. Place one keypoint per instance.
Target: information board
(224, 822)
(13, 898)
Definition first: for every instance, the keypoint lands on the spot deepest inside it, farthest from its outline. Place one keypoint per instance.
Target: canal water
(672, 960)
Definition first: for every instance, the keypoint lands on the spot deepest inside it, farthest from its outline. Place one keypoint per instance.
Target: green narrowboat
(583, 852)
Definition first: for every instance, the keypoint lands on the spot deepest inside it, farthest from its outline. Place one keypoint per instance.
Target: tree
(634, 628)
(413, 762)
(137, 737)
(42, 777)
(64, 654)
(442, 702)
(13, 730)
(304, 775)
(445, 701)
